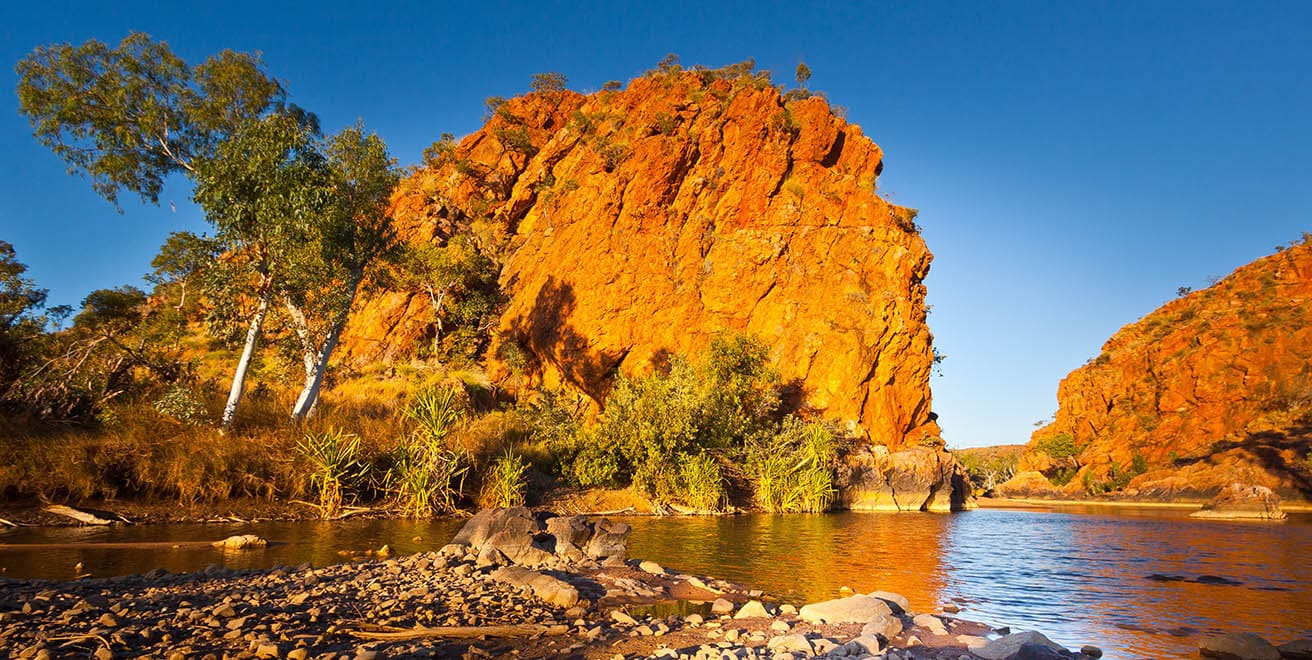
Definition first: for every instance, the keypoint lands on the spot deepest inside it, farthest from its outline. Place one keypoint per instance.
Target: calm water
(1078, 577)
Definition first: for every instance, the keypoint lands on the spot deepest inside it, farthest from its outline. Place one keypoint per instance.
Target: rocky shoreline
(512, 583)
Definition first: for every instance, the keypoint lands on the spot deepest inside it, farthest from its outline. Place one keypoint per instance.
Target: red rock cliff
(638, 223)
(1212, 388)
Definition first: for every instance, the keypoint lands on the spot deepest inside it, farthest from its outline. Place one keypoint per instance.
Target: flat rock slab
(549, 589)
(853, 609)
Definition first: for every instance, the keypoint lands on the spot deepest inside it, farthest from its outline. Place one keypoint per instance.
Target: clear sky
(1074, 162)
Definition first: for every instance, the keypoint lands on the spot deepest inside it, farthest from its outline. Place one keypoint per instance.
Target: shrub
(506, 481)
(655, 429)
(435, 411)
(548, 82)
(793, 471)
(427, 472)
(334, 466)
(1058, 446)
(426, 476)
(182, 404)
(701, 482)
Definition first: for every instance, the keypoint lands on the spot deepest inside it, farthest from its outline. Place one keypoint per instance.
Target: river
(1138, 583)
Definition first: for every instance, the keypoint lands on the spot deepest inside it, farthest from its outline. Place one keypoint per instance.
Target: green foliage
(111, 310)
(700, 483)
(664, 123)
(435, 411)
(21, 327)
(653, 426)
(987, 471)
(181, 261)
(506, 482)
(493, 105)
(333, 459)
(803, 75)
(551, 81)
(428, 471)
(440, 152)
(183, 404)
(1138, 464)
(427, 475)
(612, 86)
(516, 139)
(461, 283)
(130, 116)
(793, 470)
(1058, 446)
(1062, 475)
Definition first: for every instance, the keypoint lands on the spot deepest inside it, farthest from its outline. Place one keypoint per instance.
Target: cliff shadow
(1268, 449)
(547, 337)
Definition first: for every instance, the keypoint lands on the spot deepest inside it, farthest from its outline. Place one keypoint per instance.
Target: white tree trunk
(309, 396)
(247, 352)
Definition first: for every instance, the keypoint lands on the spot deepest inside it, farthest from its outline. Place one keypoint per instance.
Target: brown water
(1079, 575)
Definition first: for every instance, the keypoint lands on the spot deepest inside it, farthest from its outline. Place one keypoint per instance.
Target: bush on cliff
(654, 427)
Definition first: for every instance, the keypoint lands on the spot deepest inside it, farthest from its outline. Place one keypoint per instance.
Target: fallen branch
(612, 512)
(372, 631)
(85, 516)
(347, 512)
(74, 640)
(6, 522)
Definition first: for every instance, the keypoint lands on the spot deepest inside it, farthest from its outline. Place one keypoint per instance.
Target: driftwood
(86, 516)
(347, 512)
(372, 631)
(689, 511)
(134, 545)
(6, 522)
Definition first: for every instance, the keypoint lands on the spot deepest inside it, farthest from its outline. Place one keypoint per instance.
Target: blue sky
(1074, 163)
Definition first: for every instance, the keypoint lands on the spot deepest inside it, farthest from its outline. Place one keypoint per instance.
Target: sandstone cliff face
(639, 223)
(1212, 388)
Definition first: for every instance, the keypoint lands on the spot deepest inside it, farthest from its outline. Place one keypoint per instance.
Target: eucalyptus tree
(266, 189)
(181, 260)
(130, 116)
(353, 232)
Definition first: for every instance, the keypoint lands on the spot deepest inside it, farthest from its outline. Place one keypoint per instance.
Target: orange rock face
(639, 223)
(1212, 388)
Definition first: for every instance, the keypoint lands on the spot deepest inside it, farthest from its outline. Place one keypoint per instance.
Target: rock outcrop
(1240, 501)
(913, 479)
(635, 224)
(1211, 389)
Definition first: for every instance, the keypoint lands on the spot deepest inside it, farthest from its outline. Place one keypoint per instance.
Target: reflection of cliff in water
(806, 557)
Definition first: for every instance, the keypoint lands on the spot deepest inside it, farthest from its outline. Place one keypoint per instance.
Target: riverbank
(1040, 503)
(466, 602)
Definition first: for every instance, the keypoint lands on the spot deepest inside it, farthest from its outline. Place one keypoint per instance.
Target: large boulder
(512, 532)
(1240, 501)
(609, 542)
(859, 608)
(924, 478)
(572, 534)
(516, 536)
(1011, 646)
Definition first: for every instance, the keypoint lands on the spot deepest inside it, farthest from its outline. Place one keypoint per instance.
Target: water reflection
(1079, 578)
(806, 557)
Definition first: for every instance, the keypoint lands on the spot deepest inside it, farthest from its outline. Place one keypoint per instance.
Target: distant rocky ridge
(1212, 389)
